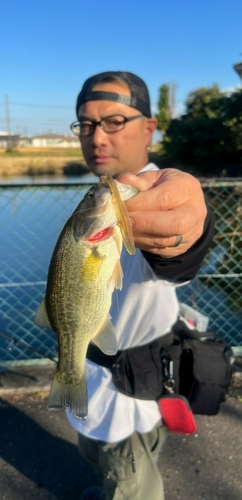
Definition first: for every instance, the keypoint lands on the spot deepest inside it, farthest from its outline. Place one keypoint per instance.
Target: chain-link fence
(217, 290)
(31, 218)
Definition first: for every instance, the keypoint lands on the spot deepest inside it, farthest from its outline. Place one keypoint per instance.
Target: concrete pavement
(39, 458)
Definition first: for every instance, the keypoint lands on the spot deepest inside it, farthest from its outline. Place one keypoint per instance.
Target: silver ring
(177, 242)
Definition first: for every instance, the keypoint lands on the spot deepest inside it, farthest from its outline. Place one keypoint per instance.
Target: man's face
(119, 152)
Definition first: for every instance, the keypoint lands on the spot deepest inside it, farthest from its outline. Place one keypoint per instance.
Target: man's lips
(100, 158)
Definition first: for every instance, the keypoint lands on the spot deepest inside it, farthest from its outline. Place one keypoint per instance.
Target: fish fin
(73, 396)
(106, 339)
(41, 317)
(117, 277)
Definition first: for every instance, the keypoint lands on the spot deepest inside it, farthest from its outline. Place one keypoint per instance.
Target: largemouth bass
(84, 270)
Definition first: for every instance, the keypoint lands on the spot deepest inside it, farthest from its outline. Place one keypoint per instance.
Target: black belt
(100, 358)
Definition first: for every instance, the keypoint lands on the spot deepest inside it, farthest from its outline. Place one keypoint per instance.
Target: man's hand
(170, 204)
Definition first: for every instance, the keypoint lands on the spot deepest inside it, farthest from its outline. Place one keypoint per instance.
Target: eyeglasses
(110, 125)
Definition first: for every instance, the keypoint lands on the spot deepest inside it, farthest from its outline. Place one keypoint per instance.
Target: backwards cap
(139, 95)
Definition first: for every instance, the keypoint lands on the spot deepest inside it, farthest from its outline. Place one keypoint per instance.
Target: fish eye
(90, 195)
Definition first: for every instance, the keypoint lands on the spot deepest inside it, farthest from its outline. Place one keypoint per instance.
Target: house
(55, 141)
(13, 140)
(70, 141)
(38, 141)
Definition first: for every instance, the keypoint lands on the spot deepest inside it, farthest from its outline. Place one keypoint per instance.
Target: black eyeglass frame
(94, 124)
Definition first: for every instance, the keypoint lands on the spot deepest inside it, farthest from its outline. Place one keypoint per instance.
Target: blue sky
(48, 48)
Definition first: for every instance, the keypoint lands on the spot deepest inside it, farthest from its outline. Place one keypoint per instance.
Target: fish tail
(73, 396)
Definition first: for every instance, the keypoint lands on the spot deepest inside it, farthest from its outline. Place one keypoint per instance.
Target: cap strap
(108, 96)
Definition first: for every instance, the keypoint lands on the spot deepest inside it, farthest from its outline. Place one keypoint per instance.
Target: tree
(234, 117)
(205, 102)
(163, 115)
(210, 132)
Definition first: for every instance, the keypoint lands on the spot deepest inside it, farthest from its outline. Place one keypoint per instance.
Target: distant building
(38, 141)
(13, 140)
(55, 141)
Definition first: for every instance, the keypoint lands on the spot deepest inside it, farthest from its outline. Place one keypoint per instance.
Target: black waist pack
(205, 369)
(138, 371)
(202, 368)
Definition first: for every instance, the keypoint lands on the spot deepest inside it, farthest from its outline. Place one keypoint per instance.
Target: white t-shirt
(145, 309)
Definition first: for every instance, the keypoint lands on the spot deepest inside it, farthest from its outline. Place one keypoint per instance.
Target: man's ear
(151, 126)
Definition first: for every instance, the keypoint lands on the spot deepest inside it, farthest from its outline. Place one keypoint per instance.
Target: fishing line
(126, 390)
(24, 344)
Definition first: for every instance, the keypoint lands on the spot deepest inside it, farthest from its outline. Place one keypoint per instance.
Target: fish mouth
(101, 235)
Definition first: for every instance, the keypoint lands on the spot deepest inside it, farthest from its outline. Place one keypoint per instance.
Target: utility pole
(172, 99)
(8, 126)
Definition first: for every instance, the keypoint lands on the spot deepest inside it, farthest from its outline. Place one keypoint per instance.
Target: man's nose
(99, 136)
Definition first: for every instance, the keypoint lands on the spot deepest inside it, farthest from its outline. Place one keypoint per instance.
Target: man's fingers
(134, 180)
(166, 224)
(170, 204)
(164, 245)
(166, 191)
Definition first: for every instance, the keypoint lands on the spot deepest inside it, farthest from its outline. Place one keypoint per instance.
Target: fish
(83, 272)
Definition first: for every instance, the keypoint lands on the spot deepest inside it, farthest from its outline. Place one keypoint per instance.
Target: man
(172, 228)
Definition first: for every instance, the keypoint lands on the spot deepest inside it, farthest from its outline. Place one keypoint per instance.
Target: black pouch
(205, 370)
(202, 368)
(138, 372)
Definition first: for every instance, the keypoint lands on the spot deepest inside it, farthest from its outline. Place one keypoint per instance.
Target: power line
(38, 120)
(30, 105)
(8, 124)
(40, 105)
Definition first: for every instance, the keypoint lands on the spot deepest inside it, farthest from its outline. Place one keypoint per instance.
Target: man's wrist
(184, 267)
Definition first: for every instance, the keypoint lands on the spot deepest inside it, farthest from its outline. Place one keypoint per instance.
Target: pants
(112, 463)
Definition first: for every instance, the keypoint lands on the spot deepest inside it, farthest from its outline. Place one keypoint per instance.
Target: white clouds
(230, 90)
